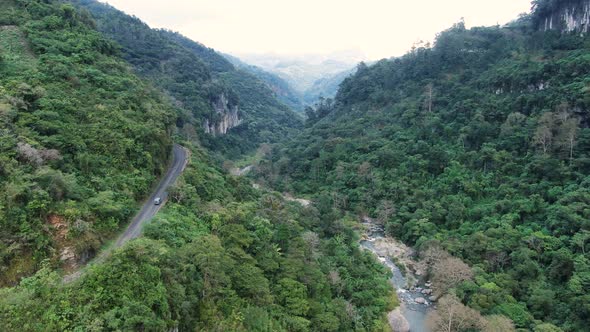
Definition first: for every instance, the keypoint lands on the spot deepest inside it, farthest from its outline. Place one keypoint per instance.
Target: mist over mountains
(305, 77)
(301, 71)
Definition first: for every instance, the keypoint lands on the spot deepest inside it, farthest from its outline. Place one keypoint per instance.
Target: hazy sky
(378, 28)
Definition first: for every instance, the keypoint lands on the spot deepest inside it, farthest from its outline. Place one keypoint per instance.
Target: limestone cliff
(224, 117)
(564, 15)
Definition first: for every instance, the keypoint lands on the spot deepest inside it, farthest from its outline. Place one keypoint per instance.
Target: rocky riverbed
(415, 294)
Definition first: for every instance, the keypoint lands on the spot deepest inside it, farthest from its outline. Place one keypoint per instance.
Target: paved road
(149, 209)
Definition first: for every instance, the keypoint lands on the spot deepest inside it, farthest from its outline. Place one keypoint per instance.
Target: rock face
(225, 116)
(565, 16)
(67, 254)
(397, 321)
(304, 202)
(241, 171)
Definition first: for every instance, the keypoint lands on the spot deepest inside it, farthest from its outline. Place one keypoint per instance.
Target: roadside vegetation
(221, 256)
(82, 141)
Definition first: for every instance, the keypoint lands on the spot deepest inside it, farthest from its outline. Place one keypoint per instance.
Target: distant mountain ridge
(282, 89)
(326, 87)
(300, 81)
(302, 71)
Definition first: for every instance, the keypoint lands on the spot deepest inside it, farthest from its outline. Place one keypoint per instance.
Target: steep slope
(284, 92)
(325, 87)
(564, 16)
(480, 144)
(221, 257)
(82, 139)
(216, 97)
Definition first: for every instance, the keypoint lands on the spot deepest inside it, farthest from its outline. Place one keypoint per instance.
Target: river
(413, 312)
(411, 315)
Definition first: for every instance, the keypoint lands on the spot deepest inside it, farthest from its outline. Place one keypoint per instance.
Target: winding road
(180, 158)
(149, 209)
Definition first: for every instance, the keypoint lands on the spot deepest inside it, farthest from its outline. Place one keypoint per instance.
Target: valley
(149, 182)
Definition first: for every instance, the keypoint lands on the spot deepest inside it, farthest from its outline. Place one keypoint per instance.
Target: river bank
(415, 295)
(416, 298)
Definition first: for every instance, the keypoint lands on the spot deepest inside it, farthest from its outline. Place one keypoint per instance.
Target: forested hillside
(198, 78)
(222, 256)
(325, 87)
(479, 143)
(477, 146)
(283, 90)
(82, 139)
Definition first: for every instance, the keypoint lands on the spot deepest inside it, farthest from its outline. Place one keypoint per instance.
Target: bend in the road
(180, 157)
(149, 209)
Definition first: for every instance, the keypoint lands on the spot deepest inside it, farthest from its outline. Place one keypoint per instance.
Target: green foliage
(224, 263)
(82, 137)
(479, 142)
(281, 88)
(196, 77)
(262, 115)
(516, 312)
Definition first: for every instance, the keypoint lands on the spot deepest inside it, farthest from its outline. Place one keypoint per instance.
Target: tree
(428, 94)
(385, 210)
(498, 323)
(447, 271)
(29, 154)
(293, 295)
(580, 239)
(209, 257)
(568, 134)
(547, 327)
(544, 133)
(452, 316)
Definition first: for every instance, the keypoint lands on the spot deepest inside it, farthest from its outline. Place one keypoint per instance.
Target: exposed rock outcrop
(565, 16)
(397, 321)
(241, 171)
(290, 198)
(225, 116)
(60, 230)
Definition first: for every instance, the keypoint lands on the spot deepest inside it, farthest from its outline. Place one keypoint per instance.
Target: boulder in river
(420, 300)
(432, 299)
(427, 291)
(397, 321)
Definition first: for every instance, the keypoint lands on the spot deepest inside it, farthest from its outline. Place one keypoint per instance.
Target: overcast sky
(377, 28)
